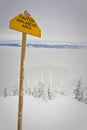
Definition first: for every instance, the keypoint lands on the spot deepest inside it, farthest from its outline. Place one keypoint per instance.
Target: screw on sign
(17, 24)
(27, 13)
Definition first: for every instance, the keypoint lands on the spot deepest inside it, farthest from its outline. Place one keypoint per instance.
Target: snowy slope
(62, 113)
(62, 69)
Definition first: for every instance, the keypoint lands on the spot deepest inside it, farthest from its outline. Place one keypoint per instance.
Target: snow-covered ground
(61, 67)
(62, 70)
(61, 113)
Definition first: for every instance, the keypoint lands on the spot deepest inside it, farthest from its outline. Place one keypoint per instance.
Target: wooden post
(16, 24)
(20, 105)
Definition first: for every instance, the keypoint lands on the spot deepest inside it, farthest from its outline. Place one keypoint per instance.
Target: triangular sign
(26, 24)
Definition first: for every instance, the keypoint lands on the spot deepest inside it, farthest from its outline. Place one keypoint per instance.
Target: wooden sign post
(20, 106)
(27, 25)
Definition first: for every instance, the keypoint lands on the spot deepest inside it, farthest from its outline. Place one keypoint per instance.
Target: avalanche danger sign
(26, 24)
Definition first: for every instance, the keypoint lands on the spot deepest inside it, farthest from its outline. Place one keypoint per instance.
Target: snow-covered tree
(85, 95)
(79, 91)
(51, 93)
(44, 91)
(28, 91)
(5, 92)
(38, 89)
(15, 89)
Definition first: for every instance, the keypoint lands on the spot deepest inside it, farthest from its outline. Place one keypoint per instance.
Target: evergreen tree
(38, 89)
(85, 95)
(79, 91)
(5, 92)
(49, 93)
(28, 91)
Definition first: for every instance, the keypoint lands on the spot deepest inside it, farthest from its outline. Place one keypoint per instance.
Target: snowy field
(63, 113)
(62, 69)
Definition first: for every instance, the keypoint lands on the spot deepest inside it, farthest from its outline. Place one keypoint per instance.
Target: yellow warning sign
(26, 24)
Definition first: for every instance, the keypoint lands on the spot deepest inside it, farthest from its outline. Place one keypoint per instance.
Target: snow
(61, 70)
(40, 63)
(63, 113)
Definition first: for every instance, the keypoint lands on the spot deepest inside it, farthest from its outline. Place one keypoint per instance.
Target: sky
(59, 20)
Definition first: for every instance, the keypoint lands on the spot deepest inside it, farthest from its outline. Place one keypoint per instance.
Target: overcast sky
(62, 20)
